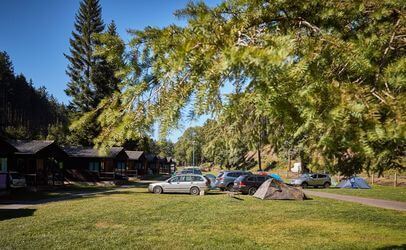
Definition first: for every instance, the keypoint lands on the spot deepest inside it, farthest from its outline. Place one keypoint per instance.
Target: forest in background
(27, 112)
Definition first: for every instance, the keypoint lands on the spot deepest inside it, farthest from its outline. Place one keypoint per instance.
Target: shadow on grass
(394, 247)
(69, 196)
(7, 214)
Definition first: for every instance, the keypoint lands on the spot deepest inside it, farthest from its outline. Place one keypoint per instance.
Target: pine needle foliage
(327, 77)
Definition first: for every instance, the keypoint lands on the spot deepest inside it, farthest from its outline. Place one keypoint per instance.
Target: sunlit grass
(134, 219)
(377, 192)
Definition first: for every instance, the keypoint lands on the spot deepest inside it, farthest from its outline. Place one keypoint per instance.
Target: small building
(163, 165)
(90, 164)
(152, 164)
(136, 164)
(172, 164)
(6, 153)
(41, 162)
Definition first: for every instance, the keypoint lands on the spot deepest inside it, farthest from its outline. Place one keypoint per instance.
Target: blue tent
(353, 182)
(276, 177)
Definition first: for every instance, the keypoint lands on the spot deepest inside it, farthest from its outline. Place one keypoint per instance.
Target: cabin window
(121, 165)
(94, 166)
(3, 164)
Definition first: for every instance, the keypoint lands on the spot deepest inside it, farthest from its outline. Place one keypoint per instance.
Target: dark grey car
(225, 179)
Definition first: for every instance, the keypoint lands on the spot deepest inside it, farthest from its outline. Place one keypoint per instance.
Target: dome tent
(273, 189)
(353, 182)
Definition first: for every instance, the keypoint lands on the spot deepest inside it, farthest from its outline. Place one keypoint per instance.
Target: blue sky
(36, 34)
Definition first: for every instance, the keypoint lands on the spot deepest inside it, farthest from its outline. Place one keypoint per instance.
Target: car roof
(190, 175)
(234, 171)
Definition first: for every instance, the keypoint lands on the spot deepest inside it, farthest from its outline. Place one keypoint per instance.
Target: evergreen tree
(25, 112)
(92, 77)
(325, 78)
(82, 62)
(104, 79)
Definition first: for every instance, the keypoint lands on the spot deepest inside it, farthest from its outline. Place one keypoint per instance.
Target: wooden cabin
(171, 164)
(6, 153)
(162, 163)
(136, 163)
(41, 162)
(90, 164)
(152, 164)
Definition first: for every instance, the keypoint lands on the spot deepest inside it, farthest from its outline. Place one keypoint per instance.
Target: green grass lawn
(377, 192)
(135, 219)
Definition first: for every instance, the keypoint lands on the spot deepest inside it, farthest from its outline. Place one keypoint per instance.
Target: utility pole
(193, 143)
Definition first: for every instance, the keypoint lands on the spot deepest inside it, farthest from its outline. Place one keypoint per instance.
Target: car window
(261, 178)
(322, 176)
(220, 175)
(197, 178)
(240, 178)
(16, 176)
(251, 178)
(185, 178)
(175, 179)
(314, 176)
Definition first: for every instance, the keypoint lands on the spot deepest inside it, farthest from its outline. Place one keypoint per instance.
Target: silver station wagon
(189, 183)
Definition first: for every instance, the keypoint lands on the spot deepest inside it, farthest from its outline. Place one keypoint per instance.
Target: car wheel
(304, 185)
(194, 191)
(327, 185)
(158, 190)
(252, 190)
(230, 187)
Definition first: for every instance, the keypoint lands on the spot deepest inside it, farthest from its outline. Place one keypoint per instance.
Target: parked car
(212, 179)
(225, 180)
(315, 180)
(189, 171)
(185, 183)
(248, 184)
(16, 180)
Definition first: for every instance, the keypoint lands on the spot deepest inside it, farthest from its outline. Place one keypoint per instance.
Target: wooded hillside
(25, 111)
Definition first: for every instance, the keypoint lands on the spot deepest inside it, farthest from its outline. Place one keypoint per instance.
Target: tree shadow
(70, 196)
(393, 247)
(8, 214)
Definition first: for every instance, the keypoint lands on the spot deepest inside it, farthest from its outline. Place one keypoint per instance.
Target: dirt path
(394, 205)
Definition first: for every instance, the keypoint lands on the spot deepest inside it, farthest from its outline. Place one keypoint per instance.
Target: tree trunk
(259, 158)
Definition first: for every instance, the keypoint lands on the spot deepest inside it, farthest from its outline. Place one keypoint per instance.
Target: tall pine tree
(82, 62)
(91, 76)
(104, 80)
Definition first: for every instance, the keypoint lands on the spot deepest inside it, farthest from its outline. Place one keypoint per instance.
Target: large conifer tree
(91, 75)
(82, 62)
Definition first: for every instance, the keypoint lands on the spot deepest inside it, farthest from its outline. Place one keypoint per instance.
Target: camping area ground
(133, 218)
